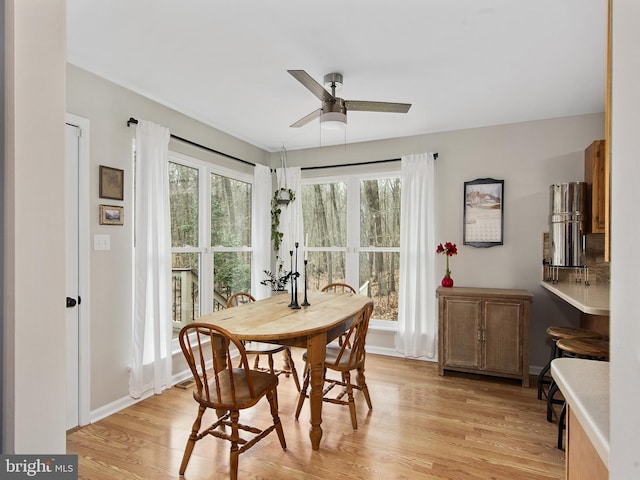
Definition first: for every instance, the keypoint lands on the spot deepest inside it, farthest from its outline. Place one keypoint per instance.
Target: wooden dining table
(312, 327)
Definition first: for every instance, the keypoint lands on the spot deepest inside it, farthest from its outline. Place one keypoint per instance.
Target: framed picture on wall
(483, 212)
(111, 215)
(111, 183)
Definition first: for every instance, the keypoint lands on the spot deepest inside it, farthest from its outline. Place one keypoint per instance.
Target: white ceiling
(461, 63)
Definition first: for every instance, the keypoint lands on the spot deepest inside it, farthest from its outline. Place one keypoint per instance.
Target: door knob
(71, 302)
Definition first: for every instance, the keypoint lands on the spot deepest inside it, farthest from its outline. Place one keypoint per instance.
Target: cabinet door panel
(594, 172)
(502, 337)
(462, 332)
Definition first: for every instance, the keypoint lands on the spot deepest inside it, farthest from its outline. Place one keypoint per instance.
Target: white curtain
(291, 219)
(417, 306)
(262, 191)
(151, 358)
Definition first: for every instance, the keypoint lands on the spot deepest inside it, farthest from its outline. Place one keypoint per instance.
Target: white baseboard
(124, 402)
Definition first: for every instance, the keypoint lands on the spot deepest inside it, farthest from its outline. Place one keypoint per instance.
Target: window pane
(184, 289)
(323, 268)
(379, 273)
(380, 213)
(231, 274)
(183, 203)
(325, 214)
(230, 212)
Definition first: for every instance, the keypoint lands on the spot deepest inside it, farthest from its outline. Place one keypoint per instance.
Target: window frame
(204, 249)
(353, 249)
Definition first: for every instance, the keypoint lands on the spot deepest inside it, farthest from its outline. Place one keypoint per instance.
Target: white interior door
(72, 289)
(77, 253)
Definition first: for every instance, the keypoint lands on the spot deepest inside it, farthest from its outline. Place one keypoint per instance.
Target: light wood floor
(422, 426)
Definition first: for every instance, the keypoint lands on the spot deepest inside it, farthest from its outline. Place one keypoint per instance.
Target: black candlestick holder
(294, 287)
(305, 302)
(291, 276)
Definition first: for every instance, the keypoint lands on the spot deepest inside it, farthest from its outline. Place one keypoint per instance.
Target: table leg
(316, 354)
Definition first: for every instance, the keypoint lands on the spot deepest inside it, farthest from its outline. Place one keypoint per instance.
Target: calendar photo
(483, 212)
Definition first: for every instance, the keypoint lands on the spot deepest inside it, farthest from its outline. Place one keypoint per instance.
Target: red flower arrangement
(449, 249)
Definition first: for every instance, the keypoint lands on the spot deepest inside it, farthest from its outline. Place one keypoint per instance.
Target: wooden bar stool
(581, 347)
(556, 333)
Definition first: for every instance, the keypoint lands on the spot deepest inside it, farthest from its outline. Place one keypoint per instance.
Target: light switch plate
(102, 242)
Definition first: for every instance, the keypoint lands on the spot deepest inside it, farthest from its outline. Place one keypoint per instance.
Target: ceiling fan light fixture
(333, 121)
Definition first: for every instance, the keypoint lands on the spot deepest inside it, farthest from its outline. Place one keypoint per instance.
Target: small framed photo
(483, 212)
(111, 183)
(111, 215)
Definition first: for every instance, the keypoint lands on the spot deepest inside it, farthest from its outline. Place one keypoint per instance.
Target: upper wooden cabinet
(597, 189)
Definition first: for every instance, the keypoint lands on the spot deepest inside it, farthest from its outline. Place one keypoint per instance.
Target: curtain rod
(372, 162)
(176, 137)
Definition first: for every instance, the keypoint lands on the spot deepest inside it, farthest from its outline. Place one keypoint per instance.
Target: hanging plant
(276, 210)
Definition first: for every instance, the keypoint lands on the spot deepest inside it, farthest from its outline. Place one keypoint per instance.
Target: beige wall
(34, 315)
(529, 157)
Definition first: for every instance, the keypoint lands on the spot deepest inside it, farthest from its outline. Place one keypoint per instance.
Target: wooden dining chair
(339, 288)
(344, 360)
(226, 389)
(268, 349)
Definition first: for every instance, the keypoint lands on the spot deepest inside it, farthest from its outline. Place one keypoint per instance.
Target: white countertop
(585, 386)
(592, 299)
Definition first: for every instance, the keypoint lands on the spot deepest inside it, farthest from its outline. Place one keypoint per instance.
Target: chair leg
(303, 390)
(273, 402)
(234, 453)
(352, 403)
(553, 389)
(191, 442)
(362, 384)
(272, 370)
(292, 367)
(561, 426)
(543, 373)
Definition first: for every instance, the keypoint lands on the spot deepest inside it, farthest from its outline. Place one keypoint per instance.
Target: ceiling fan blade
(314, 87)
(307, 118)
(365, 106)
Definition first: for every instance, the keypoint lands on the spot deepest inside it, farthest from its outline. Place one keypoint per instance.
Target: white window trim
(353, 247)
(205, 170)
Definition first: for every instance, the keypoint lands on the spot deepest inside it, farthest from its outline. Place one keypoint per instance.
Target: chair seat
(585, 347)
(331, 360)
(262, 383)
(261, 348)
(557, 332)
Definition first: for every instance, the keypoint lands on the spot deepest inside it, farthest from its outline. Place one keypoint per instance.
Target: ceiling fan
(333, 113)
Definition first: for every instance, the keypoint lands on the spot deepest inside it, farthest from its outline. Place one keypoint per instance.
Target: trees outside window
(211, 252)
(353, 230)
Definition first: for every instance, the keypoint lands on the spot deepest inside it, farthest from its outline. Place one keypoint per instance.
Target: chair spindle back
(202, 345)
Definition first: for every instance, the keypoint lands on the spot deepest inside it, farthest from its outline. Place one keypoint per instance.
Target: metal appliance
(567, 216)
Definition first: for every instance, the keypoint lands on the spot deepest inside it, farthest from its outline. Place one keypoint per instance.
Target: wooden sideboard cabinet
(484, 330)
